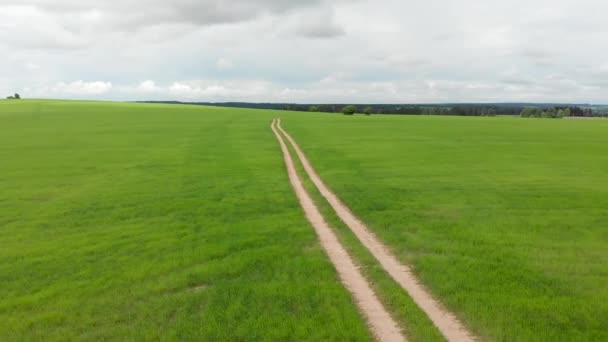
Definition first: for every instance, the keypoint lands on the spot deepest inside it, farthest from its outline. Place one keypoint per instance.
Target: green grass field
(163, 222)
(152, 222)
(505, 219)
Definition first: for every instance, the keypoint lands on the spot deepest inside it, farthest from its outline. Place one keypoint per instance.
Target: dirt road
(380, 322)
(447, 323)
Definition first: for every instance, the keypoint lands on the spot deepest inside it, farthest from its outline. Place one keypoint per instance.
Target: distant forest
(460, 109)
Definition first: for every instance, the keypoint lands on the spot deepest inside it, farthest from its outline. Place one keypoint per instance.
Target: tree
(368, 111)
(549, 113)
(530, 112)
(488, 112)
(349, 110)
(17, 96)
(313, 108)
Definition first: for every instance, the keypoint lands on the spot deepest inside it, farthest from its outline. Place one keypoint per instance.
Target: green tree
(532, 112)
(550, 113)
(17, 96)
(313, 109)
(527, 112)
(368, 111)
(349, 110)
(488, 112)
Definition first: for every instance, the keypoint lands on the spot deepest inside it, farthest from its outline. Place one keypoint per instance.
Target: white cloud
(80, 88)
(147, 87)
(136, 14)
(315, 23)
(30, 66)
(332, 89)
(224, 64)
(218, 90)
(25, 27)
(307, 51)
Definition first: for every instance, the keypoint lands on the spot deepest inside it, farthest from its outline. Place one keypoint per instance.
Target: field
(503, 218)
(141, 222)
(162, 222)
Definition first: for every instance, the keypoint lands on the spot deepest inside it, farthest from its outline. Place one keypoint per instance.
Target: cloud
(224, 64)
(81, 88)
(147, 87)
(306, 51)
(331, 89)
(29, 66)
(29, 27)
(134, 14)
(218, 90)
(315, 24)
(70, 24)
(186, 91)
(404, 60)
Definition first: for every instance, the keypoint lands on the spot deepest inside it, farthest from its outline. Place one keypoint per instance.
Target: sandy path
(451, 328)
(380, 322)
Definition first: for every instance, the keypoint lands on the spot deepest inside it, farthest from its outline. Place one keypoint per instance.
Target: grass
(160, 222)
(504, 219)
(156, 222)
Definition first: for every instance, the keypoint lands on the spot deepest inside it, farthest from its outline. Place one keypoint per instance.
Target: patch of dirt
(380, 322)
(181, 290)
(447, 323)
(198, 288)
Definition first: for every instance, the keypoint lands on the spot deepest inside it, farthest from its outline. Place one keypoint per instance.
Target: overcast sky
(306, 51)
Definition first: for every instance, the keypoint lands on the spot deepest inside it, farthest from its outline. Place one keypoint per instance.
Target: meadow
(127, 221)
(504, 219)
(156, 222)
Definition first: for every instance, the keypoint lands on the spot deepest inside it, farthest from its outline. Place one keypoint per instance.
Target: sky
(315, 51)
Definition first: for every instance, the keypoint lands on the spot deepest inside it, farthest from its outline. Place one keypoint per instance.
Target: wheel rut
(447, 323)
(382, 325)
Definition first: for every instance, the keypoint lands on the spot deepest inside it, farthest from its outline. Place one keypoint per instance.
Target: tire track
(380, 322)
(447, 323)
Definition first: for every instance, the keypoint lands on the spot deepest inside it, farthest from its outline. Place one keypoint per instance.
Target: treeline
(556, 112)
(442, 109)
(538, 110)
(470, 109)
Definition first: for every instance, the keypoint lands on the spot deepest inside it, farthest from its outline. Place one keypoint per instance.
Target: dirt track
(451, 328)
(380, 322)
